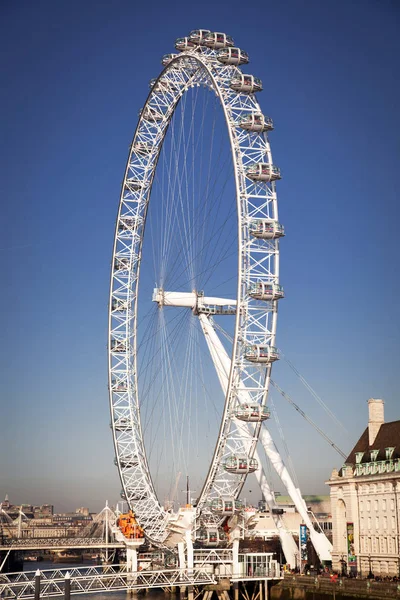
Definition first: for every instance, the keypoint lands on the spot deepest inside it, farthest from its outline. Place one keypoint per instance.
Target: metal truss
(59, 543)
(90, 580)
(258, 262)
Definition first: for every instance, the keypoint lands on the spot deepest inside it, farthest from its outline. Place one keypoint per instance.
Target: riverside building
(365, 500)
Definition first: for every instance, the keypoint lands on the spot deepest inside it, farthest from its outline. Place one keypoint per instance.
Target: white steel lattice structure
(245, 375)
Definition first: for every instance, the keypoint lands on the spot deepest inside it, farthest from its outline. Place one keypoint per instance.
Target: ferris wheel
(211, 242)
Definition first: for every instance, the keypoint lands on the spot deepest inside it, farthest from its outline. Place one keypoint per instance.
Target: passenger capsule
(142, 148)
(118, 305)
(163, 86)
(252, 413)
(247, 84)
(129, 223)
(151, 114)
(167, 58)
(240, 465)
(122, 424)
(118, 346)
(261, 354)
(225, 506)
(133, 185)
(232, 56)
(127, 462)
(216, 40)
(263, 172)
(261, 290)
(122, 495)
(212, 538)
(121, 264)
(185, 43)
(255, 122)
(198, 36)
(266, 229)
(119, 386)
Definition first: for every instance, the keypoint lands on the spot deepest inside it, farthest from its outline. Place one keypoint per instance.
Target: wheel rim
(257, 260)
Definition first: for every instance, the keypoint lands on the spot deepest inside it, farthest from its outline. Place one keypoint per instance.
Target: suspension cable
(303, 414)
(313, 392)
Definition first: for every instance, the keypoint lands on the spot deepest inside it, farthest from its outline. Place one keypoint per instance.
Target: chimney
(376, 418)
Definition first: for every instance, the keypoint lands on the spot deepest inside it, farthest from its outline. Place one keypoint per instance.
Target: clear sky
(74, 75)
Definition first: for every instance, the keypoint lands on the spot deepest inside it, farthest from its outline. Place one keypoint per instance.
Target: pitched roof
(388, 437)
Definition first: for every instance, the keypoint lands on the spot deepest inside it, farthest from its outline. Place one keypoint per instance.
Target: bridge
(87, 580)
(69, 543)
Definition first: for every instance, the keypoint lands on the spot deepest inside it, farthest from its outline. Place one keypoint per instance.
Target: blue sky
(74, 77)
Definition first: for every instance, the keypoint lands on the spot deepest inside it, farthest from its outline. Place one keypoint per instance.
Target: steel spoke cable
(314, 393)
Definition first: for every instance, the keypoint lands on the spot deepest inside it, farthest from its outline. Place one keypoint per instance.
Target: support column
(235, 590)
(67, 586)
(235, 557)
(37, 585)
(182, 565)
(131, 559)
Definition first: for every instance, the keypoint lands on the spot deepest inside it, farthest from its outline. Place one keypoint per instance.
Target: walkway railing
(86, 580)
(44, 543)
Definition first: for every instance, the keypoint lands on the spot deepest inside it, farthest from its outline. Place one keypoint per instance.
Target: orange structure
(129, 526)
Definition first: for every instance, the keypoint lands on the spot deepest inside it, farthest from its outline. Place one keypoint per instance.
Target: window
(384, 522)
(389, 453)
(368, 505)
(376, 522)
(384, 505)
(374, 454)
(369, 522)
(392, 504)
(376, 505)
(359, 456)
(361, 505)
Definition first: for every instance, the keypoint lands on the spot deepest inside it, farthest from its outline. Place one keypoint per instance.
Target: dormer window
(389, 453)
(374, 455)
(359, 456)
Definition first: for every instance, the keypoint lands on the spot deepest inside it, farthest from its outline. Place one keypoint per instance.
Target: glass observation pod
(134, 184)
(162, 86)
(122, 425)
(212, 538)
(167, 58)
(266, 229)
(238, 465)
(184, 43)
(118, 346)
(129, 223)
(247, 84)
(198, 35)
(119, 386)
(119, 305)
(128, 462)
(262, 290)
(256, 122)
(225, 506)
(122, 495)
(216, 40)
(142, 148)
(263, 172)
(121, 264)
(151, 114)
(252, 413)
(261, 354)
(232, 56)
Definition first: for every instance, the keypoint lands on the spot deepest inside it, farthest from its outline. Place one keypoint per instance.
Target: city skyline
(329, 84)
